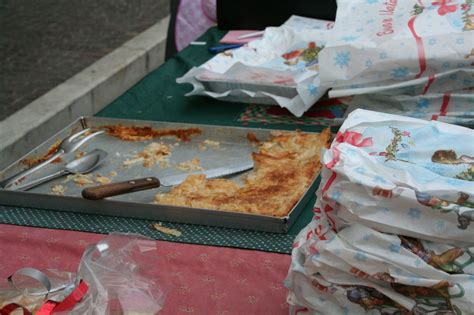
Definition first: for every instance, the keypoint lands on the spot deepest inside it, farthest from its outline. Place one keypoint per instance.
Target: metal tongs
(68, 145)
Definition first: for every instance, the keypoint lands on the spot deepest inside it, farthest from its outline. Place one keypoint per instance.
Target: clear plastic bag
(117, 270)
(119, 274)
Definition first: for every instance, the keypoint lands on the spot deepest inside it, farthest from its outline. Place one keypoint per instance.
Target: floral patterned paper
(392, 231)
(400, 44)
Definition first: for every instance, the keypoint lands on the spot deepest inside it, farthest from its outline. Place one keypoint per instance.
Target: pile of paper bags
(410, 57)
(393, 226)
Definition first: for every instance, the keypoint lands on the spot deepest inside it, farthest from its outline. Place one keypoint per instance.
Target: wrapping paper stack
(410, 57)
(393, 229)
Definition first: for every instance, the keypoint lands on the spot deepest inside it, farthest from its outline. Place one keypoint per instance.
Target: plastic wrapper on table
(118, 271)
(279, 69)
(120, 275)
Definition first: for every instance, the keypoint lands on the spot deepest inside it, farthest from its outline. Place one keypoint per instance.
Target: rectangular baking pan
(233, 148)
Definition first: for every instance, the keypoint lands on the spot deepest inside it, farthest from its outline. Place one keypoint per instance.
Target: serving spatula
(120, 188)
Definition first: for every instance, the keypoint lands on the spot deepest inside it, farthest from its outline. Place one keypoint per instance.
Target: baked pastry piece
(284, 168)
(134, 133)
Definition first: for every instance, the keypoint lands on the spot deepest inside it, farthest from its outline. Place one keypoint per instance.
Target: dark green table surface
(158, 97)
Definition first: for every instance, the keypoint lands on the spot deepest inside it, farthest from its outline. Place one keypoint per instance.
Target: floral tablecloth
(197, 279)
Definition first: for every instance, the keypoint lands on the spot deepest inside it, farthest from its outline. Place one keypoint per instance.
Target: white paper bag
(382, 45)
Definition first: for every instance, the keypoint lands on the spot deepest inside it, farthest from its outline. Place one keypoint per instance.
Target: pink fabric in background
(194, 17)
(197, 279)
(232, 37)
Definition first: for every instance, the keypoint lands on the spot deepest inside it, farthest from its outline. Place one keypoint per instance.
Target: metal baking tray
(254, 79)
(222, 86)
(233, 147)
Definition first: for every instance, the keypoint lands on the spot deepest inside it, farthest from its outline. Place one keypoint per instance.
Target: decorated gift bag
(410, 57)
(392, 231)
(403, 176)
(281, 68)
(358, 270)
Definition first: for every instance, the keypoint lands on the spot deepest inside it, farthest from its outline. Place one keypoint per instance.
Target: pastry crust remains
(134, 133)
(284, 168)
(153, 153)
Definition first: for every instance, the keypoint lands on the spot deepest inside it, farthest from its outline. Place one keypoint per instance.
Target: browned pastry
(284, 168)
(133, 133)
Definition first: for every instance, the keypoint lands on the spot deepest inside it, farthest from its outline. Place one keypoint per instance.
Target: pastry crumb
(163, 229)
(129, 162)
(212, 143)
(80, 179)
(58, 190)
(152, 154)
(209, 144)
(102, 179)
(193, 165)
(80, 154)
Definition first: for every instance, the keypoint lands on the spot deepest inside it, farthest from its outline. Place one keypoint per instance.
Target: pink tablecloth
(198, 279)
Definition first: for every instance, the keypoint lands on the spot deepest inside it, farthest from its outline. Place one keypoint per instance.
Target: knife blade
(211, 173)
(119, 188)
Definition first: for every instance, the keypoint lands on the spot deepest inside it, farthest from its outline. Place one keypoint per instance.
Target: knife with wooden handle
(129, 186)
